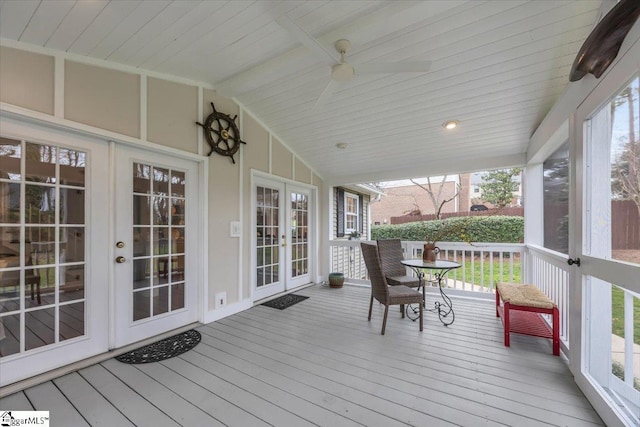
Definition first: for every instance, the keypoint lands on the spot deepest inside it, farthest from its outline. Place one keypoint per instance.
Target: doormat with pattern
(284, 301)
(163, 349)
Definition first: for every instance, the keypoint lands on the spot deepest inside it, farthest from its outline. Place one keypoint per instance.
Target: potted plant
(452, 230)
(354, 235)
(336, 280)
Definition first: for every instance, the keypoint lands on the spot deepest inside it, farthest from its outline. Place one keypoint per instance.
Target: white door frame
(126, 331)
(100, 337)
(22, 365)
(261, 178)
(277, 286)
(290, 282)
(610, 271)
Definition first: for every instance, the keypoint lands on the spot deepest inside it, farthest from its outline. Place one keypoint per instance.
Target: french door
(155, 249)
(53, 275)
(283, 223)
(298, 214)
(605, 304)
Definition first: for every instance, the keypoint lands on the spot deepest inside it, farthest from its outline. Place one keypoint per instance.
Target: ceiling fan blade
(329, 89)
(306, 39)
(393, 67)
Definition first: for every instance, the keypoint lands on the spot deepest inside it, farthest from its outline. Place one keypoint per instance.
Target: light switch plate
(235, 229)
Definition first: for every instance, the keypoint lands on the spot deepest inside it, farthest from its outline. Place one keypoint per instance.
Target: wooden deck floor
(320, 362)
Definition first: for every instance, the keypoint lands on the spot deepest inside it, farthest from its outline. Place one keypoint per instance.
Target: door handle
(572, 261)
(120, 259)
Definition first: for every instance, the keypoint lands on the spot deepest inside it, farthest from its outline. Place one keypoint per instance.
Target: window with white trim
(351, 212)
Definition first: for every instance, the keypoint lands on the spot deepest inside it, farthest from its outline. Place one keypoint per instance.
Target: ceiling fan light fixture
(342, 72)
(451, 124)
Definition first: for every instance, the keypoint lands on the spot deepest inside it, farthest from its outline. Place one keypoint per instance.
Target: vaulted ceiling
(496, 66)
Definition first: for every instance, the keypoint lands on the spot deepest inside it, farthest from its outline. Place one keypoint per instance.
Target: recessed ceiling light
(341, 145)
(451, 124)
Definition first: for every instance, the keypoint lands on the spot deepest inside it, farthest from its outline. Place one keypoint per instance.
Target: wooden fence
(625, 221)
(625, 225)
(515, 211)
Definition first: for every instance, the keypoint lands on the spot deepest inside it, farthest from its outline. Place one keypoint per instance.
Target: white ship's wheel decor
(222, 133)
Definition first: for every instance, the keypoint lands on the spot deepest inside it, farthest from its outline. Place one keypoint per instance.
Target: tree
(625, 176)
(436, 197)
(498, 186)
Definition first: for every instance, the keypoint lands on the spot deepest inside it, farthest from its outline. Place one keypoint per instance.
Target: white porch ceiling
(497, 67)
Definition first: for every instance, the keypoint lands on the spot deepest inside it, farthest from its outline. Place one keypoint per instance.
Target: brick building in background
(404, 197)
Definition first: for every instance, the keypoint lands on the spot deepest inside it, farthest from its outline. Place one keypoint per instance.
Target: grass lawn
(473, 273)
(617, 307)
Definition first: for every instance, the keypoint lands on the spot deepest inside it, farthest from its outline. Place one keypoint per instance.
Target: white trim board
(66, 125)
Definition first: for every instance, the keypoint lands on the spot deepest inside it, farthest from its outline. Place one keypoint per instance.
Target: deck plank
(260, 398)
(47, 397)
(433, 381)
(126, 399)
(398, 406)
(161, 395)
(15, 402)
(319, 406)
(320, 362)
(89, 402)
(216, 406)
(442, 394)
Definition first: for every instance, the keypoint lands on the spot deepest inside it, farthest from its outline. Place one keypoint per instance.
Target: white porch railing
(484, 264)
(550, 272)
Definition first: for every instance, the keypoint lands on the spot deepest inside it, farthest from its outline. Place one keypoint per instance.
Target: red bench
(521, 313)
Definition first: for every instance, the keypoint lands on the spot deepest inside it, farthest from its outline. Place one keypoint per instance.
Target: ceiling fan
(342, 71)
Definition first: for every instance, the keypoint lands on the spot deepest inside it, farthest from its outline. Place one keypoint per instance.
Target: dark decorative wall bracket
(222, 133)
(603, 44)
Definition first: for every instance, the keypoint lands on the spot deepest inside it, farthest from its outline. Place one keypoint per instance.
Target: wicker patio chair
(382, 292)
(390, 251)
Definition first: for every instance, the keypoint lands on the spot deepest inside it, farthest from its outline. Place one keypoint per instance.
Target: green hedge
(493, 229)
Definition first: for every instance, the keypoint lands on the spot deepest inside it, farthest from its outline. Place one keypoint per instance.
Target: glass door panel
(52, 277)
(158, 240)
(282, 219)
(269, 239)
(42, 259)
(298, 254)
(156, 227)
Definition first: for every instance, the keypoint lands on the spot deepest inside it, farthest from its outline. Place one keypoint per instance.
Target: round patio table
(441, 268)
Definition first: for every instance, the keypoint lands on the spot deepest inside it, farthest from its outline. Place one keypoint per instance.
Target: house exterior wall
(27, 79)
(358, 269)
(136, 108)
(398, 201)
(258, 159)
(366, 201)
(302, 172)
(464, 198)
(322, 244)
(281, 160)
(171, 108)
(113, 104)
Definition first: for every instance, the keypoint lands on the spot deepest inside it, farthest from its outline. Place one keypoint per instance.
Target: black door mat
(161, 350)
(284, 301)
